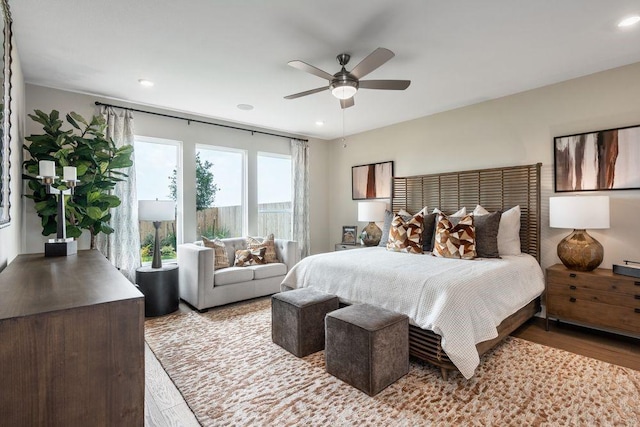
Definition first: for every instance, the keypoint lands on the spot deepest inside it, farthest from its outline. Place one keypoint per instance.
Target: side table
(343, 247)
(160, 289)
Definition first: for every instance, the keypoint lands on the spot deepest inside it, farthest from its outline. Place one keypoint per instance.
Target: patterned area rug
(230, 373)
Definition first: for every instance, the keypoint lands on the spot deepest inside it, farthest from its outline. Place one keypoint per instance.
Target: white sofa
(203, 287)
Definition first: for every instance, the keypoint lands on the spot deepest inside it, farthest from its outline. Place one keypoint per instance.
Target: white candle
(69, 173)
(47, 168)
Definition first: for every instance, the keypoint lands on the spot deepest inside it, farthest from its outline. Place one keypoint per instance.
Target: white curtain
(122, 247)
(300, 194)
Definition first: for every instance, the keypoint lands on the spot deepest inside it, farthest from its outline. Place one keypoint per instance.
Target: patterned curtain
(300, 193)
(122, 247)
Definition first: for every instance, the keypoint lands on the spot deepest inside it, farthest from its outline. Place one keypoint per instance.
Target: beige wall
(11, 235)
(514, 130)
(146, 125)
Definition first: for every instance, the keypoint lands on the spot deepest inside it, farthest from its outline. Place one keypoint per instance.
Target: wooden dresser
(71, 343)
(596, 298)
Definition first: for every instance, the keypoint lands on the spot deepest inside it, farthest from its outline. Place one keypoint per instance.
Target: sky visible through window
(155, 163)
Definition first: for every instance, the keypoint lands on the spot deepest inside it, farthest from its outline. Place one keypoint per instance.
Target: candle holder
(61, 245)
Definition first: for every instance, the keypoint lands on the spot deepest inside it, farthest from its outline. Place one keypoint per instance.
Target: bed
(453, 319)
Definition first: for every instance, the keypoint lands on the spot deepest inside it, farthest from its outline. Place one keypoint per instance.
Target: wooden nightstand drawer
(600, 279)
(555, 290)
(594, 313)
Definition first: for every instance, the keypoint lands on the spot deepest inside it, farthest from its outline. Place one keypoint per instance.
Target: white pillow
(508, 231)
(461, 212)
(403, 212)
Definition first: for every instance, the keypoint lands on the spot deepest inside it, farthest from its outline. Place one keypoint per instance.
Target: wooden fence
(272, 218)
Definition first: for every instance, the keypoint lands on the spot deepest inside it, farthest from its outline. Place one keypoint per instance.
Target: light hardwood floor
(164, 405)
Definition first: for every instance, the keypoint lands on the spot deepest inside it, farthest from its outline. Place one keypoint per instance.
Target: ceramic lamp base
(371, 234)
(579, 251)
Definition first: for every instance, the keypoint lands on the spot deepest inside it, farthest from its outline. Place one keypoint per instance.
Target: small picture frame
(349, 234)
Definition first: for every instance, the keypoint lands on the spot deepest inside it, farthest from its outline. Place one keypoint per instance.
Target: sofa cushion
(231, 275)
(268, 270)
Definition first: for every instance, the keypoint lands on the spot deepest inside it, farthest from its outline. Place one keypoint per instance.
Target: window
(220, 192)
(274, 195)
(157, 177)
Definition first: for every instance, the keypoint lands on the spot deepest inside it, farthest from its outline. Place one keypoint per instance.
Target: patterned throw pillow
(247, 257)
(268, 243)
(220, 258)
(406, 235)
(455, 241)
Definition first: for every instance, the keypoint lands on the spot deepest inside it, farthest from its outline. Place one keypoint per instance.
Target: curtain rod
(199, 121)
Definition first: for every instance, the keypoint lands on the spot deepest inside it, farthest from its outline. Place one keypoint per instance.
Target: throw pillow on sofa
(220, 258)
(247, 257)
(268, 243)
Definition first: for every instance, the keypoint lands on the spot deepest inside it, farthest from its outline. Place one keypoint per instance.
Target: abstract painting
(371, 181)
(602, 160)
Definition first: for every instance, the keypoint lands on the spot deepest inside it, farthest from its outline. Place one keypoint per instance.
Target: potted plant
(99, 166)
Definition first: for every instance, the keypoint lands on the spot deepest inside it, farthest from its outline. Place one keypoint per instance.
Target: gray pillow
(388, 217)
(429, 233)
(487, 234)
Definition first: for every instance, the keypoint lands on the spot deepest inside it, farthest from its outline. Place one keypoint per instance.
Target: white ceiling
(208, 56)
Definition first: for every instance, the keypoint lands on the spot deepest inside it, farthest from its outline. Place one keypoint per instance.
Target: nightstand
(160, 289)
(343, 247)
(596, 298)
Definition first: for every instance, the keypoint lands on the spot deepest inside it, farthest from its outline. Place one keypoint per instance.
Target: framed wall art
(349, 234)
(601, 160)
(372, 181)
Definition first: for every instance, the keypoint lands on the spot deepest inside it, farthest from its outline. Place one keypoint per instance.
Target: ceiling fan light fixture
(344, 90)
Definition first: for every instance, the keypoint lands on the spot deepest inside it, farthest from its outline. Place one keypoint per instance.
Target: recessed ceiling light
(631, 20)
(245, 107)
(145, 83)
(319, 123)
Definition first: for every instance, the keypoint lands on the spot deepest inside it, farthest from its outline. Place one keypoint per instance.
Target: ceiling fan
(344, 84)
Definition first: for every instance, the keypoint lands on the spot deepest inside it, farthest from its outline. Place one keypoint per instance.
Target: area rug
(230, 373)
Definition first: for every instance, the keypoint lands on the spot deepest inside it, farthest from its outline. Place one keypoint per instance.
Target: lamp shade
(579, 212)
(156, 210)
(371, 211)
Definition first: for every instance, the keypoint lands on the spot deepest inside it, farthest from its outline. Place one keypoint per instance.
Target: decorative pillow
(246, 257)
(429, 232)
(406, 235)
(455, 241)
(268, 243)
(220, 258)
(509, 231)
(487, 227)
(388, 217)
(430, 223)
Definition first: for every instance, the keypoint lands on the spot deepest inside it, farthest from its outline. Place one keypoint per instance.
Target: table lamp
(579, 251)
(156, 211)
(371, 212)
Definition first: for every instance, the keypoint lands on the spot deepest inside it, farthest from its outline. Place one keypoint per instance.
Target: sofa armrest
(288, 252)
(195, 272)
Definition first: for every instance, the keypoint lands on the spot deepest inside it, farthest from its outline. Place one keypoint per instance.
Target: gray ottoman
(367, 346)
(297, 319)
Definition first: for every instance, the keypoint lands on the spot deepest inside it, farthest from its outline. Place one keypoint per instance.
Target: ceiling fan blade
(385, 84)
(306, 92)
(371, 62)
(346, 103)
(310, 69)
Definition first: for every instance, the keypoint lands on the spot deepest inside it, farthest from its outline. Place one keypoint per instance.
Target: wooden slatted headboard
(494, 189)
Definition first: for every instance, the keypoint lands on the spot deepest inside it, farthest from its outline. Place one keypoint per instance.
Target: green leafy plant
(206, 189)
(97, 160)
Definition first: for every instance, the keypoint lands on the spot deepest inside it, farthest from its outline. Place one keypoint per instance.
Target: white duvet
(463, 301)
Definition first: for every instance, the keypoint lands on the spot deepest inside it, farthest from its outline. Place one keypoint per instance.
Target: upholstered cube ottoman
(297, 319)
(367, 346)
